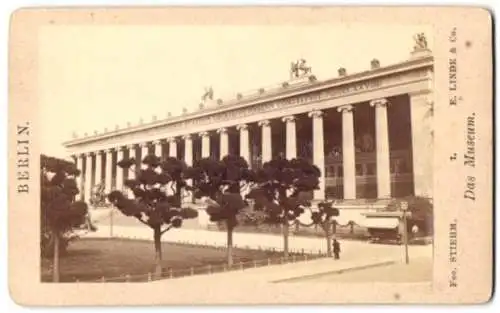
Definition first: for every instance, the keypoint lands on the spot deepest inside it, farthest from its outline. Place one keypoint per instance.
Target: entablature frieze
(401, 83)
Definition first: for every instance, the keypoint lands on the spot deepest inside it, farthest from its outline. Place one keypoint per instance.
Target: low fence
(350, 231)
(206, 269)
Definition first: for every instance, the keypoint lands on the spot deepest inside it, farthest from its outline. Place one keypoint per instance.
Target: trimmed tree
(322, 216)
(283, 190)
(60, 213)
(157, 202)
(221, 183)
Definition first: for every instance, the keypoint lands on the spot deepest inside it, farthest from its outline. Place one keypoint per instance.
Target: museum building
(370, 132)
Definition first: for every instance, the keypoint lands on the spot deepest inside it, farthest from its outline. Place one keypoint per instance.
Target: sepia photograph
(257, 153)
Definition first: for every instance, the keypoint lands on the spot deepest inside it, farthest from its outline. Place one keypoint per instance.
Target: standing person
(336, 249)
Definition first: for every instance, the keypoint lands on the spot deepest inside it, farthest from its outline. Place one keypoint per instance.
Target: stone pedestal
(297, 81)
(421, 53)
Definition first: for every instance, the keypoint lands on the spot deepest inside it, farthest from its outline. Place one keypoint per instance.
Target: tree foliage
(157, 190)
(324, 214)
(221, 182)
(60, 213)
(421, 209)
(283, 188)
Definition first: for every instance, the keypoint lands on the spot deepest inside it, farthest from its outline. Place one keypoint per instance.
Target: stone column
(205, 144)
(244, 143)
(267, 152)
(158, 148)
(99, 156)
(244, 151)
(348, 152)
(79, 180)
(291, 137)
(144, 152)
(109, 171)
(88, 177)
(172, 142)
(224, 142)
(382, 144)
(318, 151)
(422, 142)
(188, 158)
(119, 170)
(188, 150)
(132, 170)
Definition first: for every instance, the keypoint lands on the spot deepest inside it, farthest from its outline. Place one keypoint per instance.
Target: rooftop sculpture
(209, 94)
(420, 42)
(299, 69)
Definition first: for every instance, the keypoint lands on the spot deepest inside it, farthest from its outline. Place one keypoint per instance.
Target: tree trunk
(286, 232)
(157, 240)
(55, 270)
(328, 236)
(229, 249)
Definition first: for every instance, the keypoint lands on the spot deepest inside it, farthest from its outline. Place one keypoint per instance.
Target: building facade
(370, 133)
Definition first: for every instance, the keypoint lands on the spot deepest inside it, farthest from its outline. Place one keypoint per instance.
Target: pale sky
(92, 77)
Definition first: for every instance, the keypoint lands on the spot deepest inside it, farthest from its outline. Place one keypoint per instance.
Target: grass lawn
(91, 259)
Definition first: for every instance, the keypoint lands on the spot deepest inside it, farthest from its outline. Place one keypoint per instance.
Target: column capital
(157, 142)
(315, 114)
(143, 144)
(121, 148)
(89, 154)
(98, 152)
(379, 103)
(345, 108)
(186, 137)
(242, 127)
(222, 130)
(131, 146)
(109, 150)
(203, 133)
(172, 139)
(289, 119)
(264, 123)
